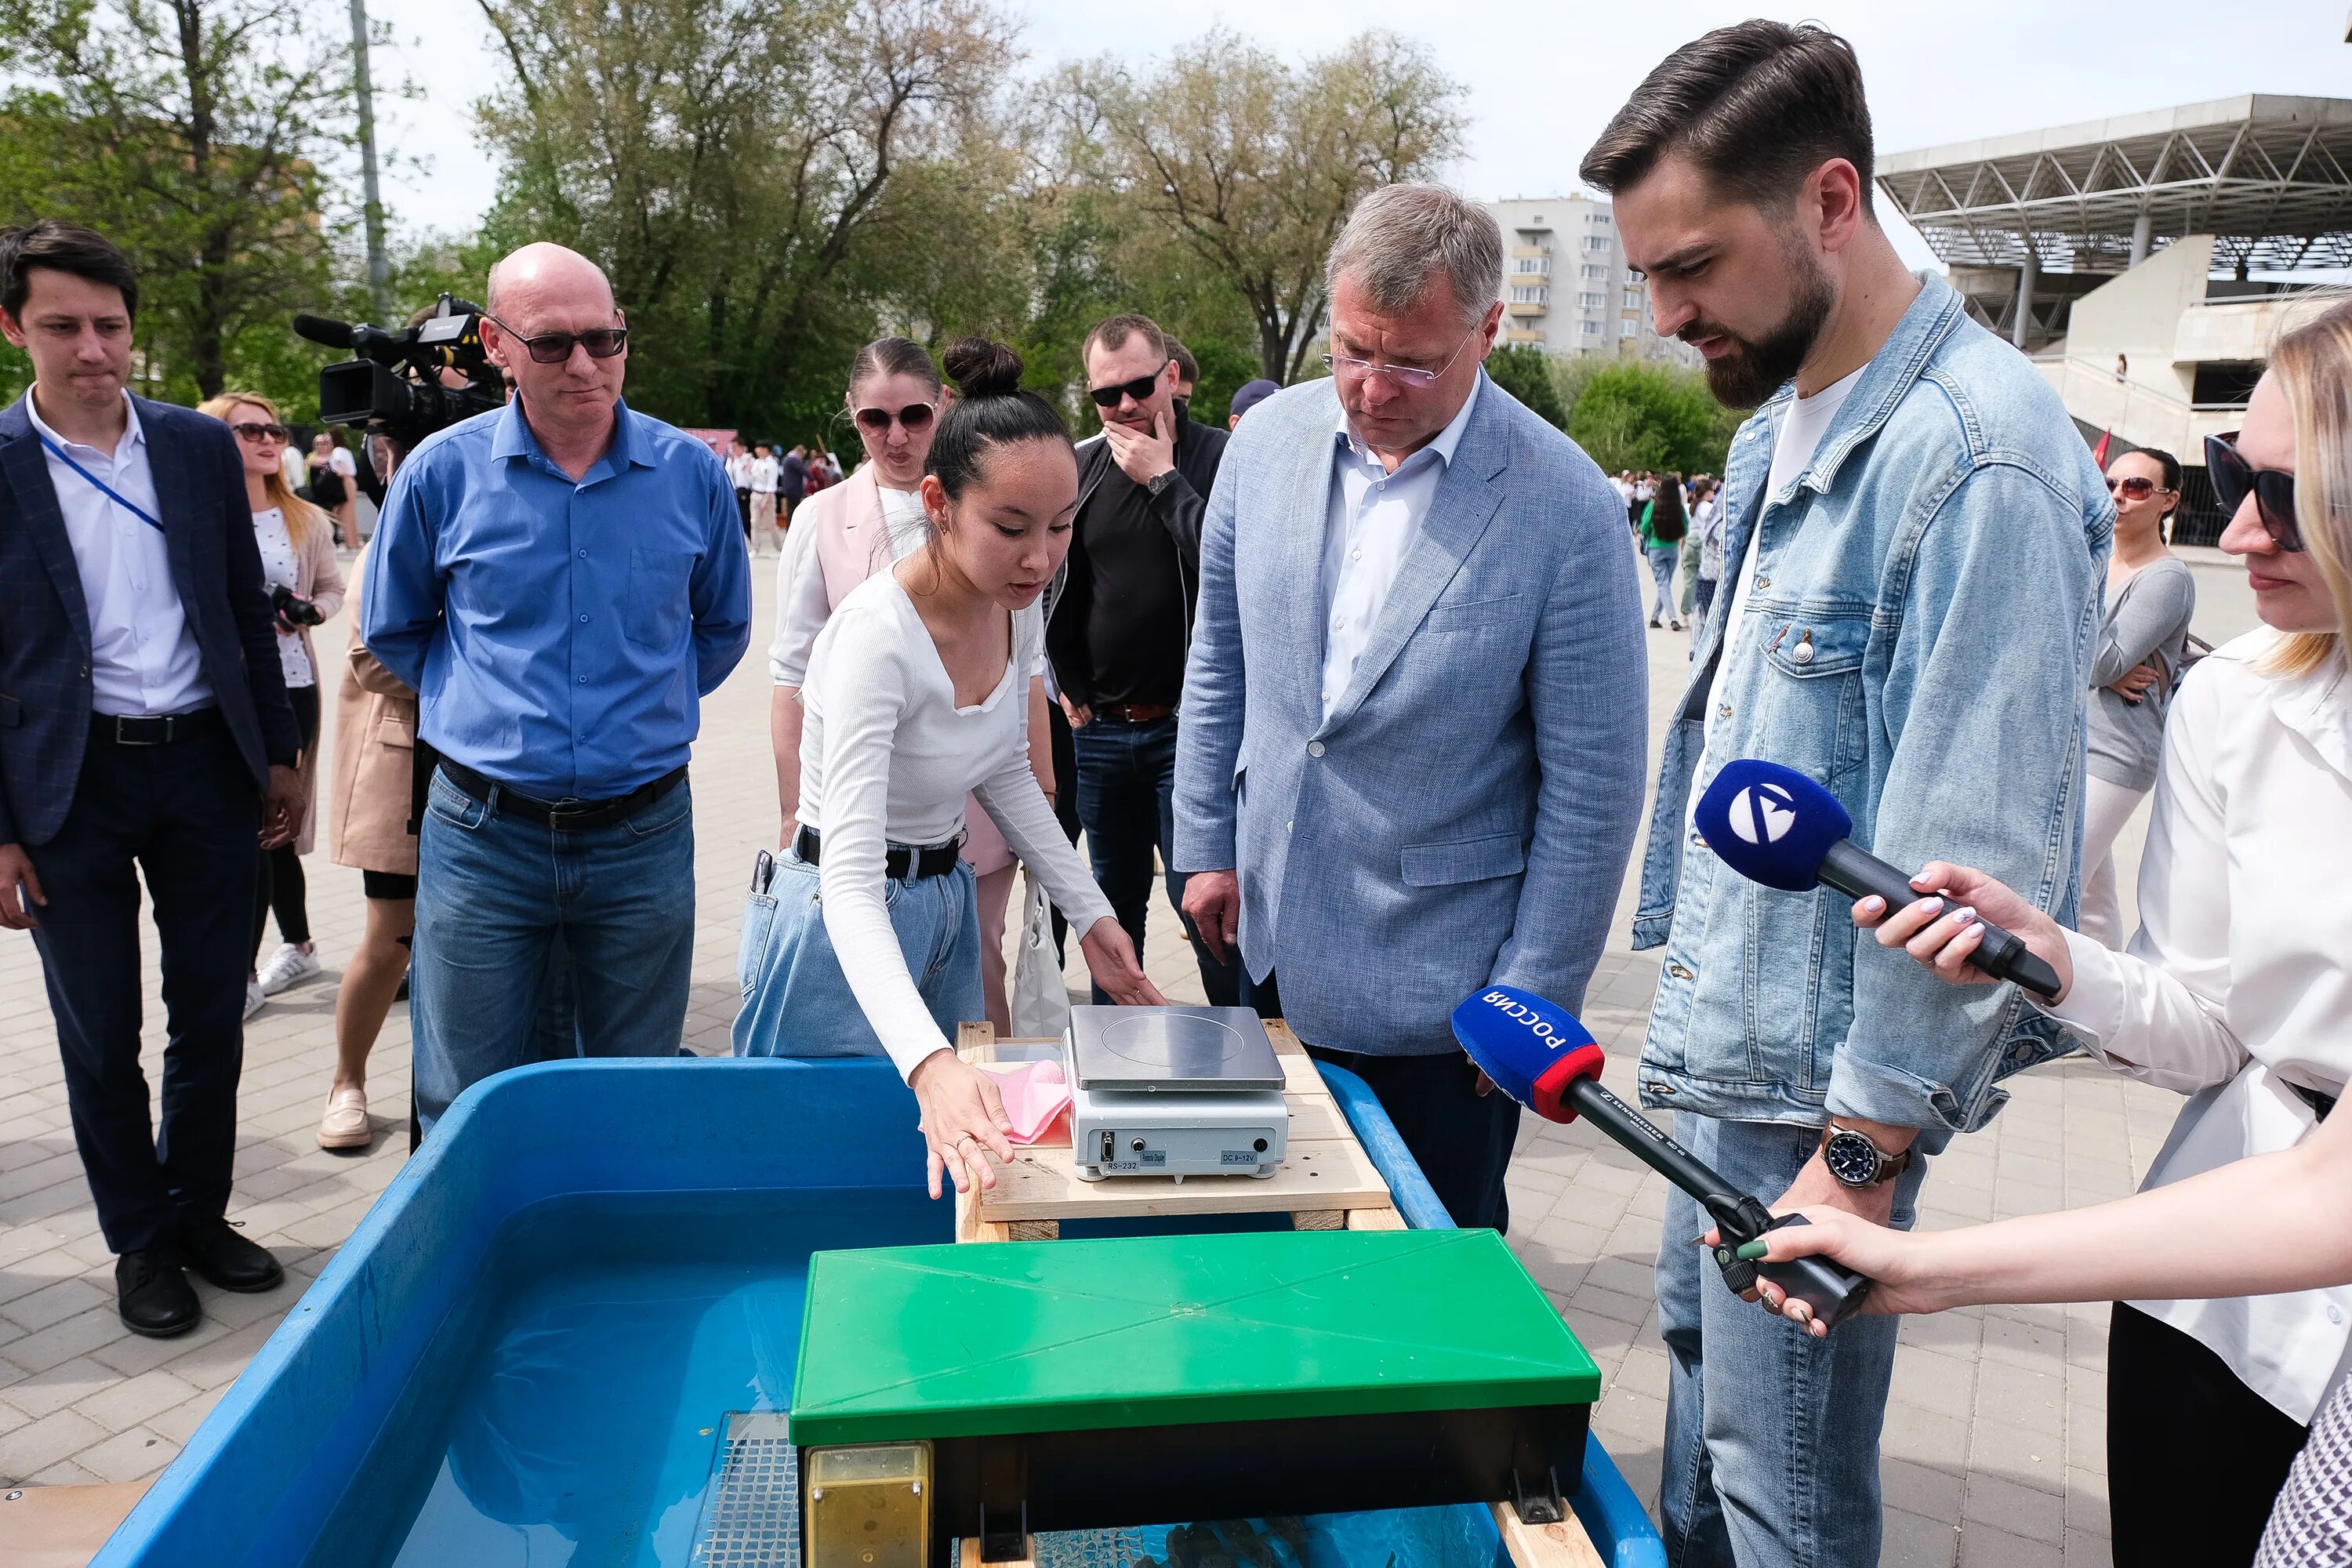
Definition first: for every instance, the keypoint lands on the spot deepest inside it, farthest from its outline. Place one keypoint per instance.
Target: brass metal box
(867, 1506)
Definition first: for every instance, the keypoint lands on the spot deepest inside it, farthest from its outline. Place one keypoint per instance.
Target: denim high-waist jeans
(1663, 559)
(495, 894)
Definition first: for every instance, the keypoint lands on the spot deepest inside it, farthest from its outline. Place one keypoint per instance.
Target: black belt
(563, 815)
(2322, 1103)
(168, 730)
(932, 860)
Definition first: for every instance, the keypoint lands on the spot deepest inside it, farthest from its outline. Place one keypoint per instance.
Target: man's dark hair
(1758, 107)
(1113, 335)
(62, 247)
(1187, 369)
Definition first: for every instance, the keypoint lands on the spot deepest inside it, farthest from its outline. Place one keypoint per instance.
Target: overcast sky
(1545, 75)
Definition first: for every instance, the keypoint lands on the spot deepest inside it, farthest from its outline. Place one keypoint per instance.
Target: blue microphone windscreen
(1513, 1035)
(1772, 825)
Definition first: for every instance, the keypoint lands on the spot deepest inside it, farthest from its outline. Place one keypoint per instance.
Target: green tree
(1652, 416)
(1525, 372)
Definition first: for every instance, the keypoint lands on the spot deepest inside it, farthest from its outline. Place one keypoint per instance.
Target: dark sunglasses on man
(2273, 492)
(1139, 389)
(250, 431)
(554, 348)
(914, 418)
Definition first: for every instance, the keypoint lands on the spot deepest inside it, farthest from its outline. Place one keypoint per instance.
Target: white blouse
(2236, 987)
(279, 569)
(886, 757)
(801, 605)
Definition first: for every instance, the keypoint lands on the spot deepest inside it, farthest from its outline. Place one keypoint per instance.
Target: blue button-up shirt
(560, 635)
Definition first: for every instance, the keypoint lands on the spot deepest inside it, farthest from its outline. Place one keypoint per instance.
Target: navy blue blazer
(45, 658)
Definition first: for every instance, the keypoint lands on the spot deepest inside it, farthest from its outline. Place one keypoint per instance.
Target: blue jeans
(1771, 1453)
(796, 1000)
(1127, 802)
(498, 896)
(1664, 561)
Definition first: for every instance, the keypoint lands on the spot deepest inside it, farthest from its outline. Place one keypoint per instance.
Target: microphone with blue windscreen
(1541, 1057)
(1773, 825)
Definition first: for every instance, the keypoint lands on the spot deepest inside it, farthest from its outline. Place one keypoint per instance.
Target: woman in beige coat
(298, 571)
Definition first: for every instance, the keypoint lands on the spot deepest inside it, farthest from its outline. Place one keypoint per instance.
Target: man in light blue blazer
(1415, 720)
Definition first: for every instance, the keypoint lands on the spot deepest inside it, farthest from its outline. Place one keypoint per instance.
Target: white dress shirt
(764, 472)
(144, 658)
(1373, 518)
(2236, 989)
(738, 471)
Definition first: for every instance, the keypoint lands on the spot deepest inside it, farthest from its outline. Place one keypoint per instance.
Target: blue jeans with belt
(498, 894)
(1127, 802)
(1663, 560)
(796, 1000)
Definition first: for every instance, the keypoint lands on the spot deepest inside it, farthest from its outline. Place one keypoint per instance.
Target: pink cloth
(1035, 1095)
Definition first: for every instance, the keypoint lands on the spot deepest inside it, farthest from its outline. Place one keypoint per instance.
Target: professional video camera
(399, 387)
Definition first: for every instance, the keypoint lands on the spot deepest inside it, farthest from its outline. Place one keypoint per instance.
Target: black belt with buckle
(563, 815)
(932, 860)
(126, 729)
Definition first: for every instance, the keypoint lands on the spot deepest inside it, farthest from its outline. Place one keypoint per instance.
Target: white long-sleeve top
(886, 757)
(2236, 986)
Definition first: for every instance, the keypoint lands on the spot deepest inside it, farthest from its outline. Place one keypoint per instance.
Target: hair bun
(982, 367)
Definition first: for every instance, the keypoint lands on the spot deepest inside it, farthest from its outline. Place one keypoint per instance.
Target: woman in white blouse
(2237, 993)
(869, 940)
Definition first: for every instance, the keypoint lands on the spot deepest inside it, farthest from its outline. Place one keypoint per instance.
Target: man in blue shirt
(561, 581)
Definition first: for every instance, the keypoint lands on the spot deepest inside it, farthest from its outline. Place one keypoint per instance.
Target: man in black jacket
(1119, 623)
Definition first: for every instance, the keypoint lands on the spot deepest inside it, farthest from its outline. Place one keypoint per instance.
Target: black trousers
(1461, 1140)
(2195, 1458)
(280, 887)
(184, 816)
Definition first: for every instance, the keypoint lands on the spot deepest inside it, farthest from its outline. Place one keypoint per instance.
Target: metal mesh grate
(751, 1517)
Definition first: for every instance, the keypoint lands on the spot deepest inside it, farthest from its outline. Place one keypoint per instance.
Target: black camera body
(292, 609)
(396, 386)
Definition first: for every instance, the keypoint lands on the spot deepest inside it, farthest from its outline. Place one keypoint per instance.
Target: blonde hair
(300, 516)
(2312, 364)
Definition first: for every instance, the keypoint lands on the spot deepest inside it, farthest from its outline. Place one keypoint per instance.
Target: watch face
(1852, 1158)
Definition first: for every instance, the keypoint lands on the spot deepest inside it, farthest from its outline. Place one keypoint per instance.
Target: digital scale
(1174, 1092)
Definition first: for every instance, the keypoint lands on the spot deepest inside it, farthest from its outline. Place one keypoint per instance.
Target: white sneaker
(252, 998)
(289, 966)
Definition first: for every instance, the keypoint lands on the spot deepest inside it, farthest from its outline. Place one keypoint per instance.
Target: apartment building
(1566, 287)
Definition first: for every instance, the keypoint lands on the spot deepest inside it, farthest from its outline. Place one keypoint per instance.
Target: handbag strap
(62, 456)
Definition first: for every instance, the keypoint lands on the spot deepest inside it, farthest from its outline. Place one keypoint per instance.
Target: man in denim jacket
(1913, 544)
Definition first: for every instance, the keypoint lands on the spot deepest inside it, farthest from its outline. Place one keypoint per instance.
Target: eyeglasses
(2139, 486)
(251, 432)
(554, 348)
(1411, 377)
(2273, 490)
(1139, 389)
(914, 418)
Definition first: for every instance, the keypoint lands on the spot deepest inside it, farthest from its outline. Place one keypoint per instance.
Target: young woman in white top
(298, 555)
(868, 942)
(842, 535)
(2236, 992)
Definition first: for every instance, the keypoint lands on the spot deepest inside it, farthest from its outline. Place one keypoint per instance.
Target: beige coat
(319, 579)
(375, 747)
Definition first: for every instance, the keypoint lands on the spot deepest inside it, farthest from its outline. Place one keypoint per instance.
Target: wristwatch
(1856, 1161)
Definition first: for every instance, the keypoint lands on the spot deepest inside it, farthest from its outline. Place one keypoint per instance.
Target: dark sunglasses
(1139, 389)
(913, 419)
(554, 348)
(252, 432)
(2273, 492)
(2139, 486)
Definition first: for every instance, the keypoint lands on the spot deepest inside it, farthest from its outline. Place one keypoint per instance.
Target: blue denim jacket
(1918, 638)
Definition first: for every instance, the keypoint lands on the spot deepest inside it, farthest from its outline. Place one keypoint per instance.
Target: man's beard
(1753, 370)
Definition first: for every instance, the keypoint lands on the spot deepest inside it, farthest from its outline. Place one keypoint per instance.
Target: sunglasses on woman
(554, 348)
(2273, 492)
(2139, 486)
(250, 431)
(914, 418)
(1139, 389)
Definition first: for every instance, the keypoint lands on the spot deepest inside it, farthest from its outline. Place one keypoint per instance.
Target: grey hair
(1399, 235)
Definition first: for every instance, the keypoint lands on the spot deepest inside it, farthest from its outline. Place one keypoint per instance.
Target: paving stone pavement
(1994, 1451)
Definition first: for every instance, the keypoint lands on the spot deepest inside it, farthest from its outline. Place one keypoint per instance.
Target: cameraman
(559, 580)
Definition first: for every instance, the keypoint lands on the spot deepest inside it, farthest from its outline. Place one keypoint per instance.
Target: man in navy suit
(142, 720)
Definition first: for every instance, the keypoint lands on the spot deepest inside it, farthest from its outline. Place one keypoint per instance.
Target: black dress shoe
(213, 1249)
(152, 1295)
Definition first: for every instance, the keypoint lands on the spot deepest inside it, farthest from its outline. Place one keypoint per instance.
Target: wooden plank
(968, 1556)
(1286, 1044)
(1324, 1174)
(1319, 1219)
(61, 1527)
(1562, 1545)
(1375, 1219)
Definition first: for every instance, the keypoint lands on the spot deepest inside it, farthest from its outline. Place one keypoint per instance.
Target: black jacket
(1181, 505)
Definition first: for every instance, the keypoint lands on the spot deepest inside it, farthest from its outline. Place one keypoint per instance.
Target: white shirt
(1373, 519)
(2236, 984)
(280, 569)
(339, 459)
(738, 471)
(144, 658)
(764, 472)
(294, 466)
(802, 607)
(886, 757)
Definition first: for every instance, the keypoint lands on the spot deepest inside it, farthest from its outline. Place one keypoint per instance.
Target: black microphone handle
(1857, 873)
(1649, 1143)
(320, 330)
